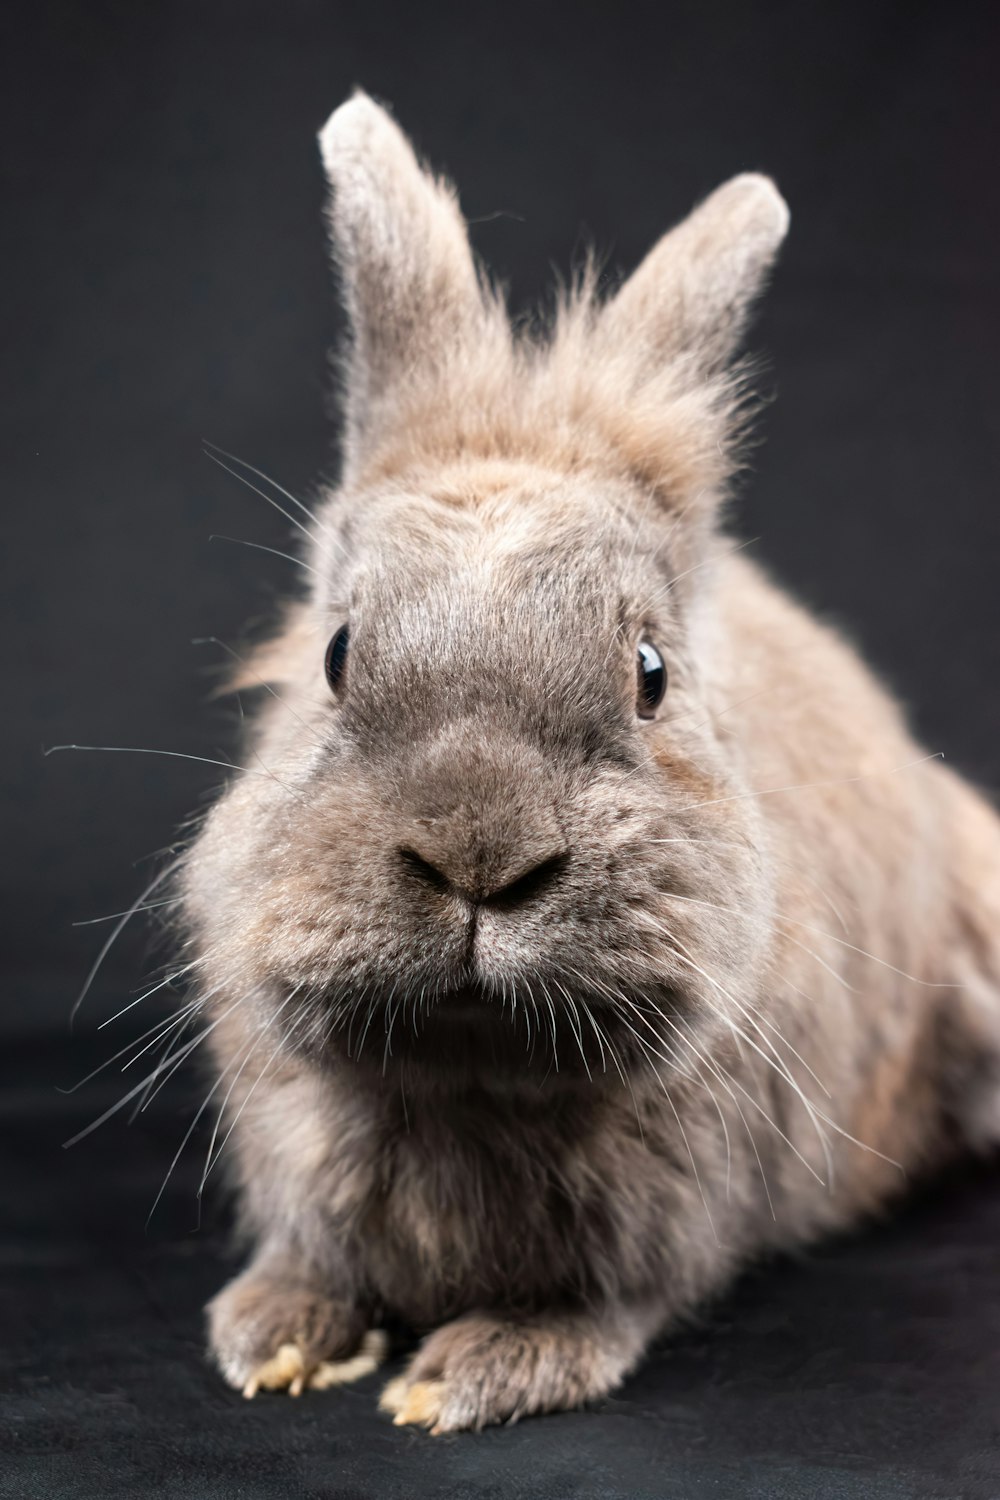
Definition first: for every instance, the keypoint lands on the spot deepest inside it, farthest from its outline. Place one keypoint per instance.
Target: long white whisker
(244, 464)
(177, 974)
(706, 562)
(157, 1026)
(597, 1032)
(183, 1015)
(163, 1071)
(718, 1072)
(574, 1023)
(210, 1157)
(722, 1120)
(187, 1136)
(831, 937)
(109, 943)
(187, 1048)
(215, 641)
(113, 915)
(240, 541)
(268, 498)
(775, 1060)
(805, 786)
(765, 1021)
(146, 750)
(687, 1146)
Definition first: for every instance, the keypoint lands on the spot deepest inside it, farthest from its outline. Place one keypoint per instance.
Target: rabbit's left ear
(409, 282)
(690, 298)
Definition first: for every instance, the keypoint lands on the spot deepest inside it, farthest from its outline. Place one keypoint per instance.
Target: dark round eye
(652, 680)
(336, 657)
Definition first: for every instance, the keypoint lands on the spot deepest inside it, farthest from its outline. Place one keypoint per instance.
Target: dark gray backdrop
(166, 281)
(165, 266)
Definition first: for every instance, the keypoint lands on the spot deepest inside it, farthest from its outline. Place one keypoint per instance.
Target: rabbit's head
(489, 810)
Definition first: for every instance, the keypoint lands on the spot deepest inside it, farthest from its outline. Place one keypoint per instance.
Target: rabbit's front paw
(267, 1334)
(481, 1370)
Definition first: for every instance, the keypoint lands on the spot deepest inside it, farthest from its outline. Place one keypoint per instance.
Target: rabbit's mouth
(470, 1029)
(464, 1004)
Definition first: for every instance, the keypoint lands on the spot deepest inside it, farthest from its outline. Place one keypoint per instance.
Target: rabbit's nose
(480, 886)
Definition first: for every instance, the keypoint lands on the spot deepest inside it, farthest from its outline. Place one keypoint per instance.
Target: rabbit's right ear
(409, 282)
(689, 300)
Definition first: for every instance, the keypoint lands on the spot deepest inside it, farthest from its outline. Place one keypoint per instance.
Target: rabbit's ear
(690, 297)
(409, 282)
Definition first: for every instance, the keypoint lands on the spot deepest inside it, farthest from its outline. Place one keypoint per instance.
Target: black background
(166, 282)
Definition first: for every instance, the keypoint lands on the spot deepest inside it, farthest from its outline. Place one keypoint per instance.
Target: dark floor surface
(869, 1369)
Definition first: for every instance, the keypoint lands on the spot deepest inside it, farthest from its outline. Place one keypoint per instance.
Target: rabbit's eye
(652, 680)
(336, 657)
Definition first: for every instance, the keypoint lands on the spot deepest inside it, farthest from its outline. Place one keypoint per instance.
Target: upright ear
(409, 282)
(690, 297)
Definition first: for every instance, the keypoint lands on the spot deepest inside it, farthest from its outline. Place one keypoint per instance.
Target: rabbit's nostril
(424, 870)
(529, 884)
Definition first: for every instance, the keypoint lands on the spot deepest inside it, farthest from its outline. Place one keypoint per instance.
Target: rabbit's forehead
(513, 587)
(570, 547)
(517, 593)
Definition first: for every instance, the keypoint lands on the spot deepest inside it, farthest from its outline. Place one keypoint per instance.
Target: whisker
(145, 750)
(156, 1026)
(372, 1005)
(293, 499)
(831, 937)
(687, 1146)
(614, 997)
(112, 915)
(268, 498)
(706, 562)
(215, 641)
(724, 1078)
(755, 1104)
(627, 1081)
(728, 1082)
(766, 1021)
(118, 929)
(113, 1110)
(670, 1057)
(552, 1020)
(718, 713)
(296, 797)
(597, 1032)
(185, 1014)
(722, 1119)
(172, 1063)
(210, 1158)
(168, 1042)
(178, 974)
(187, 1136)
(574, 1023)
(239, 541)
(774, 1061)
(390, 1021)
(806, 786)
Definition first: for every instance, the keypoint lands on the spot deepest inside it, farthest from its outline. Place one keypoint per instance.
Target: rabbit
(586, 924)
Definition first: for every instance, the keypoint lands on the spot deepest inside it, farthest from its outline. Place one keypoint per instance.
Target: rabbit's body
(536, 1020)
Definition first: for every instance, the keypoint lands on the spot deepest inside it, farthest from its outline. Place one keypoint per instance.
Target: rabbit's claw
(290, 1368)
(420, 1404)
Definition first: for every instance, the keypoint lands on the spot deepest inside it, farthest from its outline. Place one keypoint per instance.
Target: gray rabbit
(588, 923)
